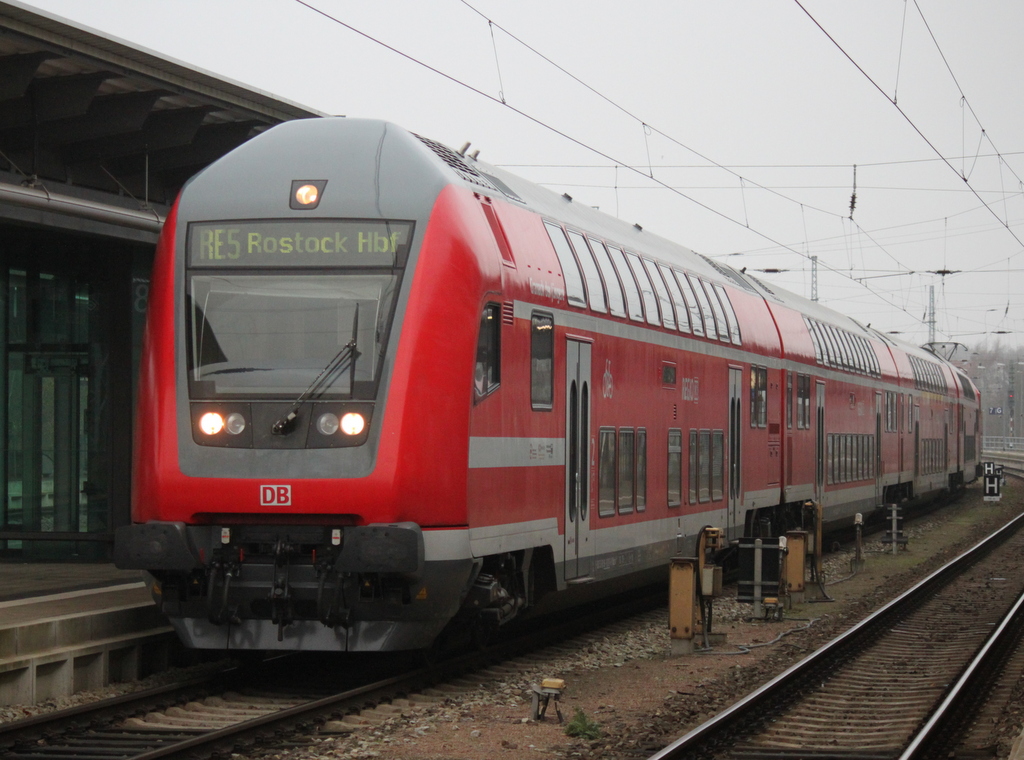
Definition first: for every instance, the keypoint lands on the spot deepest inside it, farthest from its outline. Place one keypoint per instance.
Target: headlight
(353, 423)
(327, 423)
(307, 194)
(235, 423)
(211, 423)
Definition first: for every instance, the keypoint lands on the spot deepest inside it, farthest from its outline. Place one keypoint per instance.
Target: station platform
(67, 627)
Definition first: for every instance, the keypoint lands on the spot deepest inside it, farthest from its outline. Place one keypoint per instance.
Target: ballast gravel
(623, 679)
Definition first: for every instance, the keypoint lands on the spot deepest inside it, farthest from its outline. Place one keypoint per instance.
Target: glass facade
(67, 375)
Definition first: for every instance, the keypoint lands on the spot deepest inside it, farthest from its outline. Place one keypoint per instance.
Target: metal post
(682, 608)
(895, 529)
(758, 595)
(858, 562)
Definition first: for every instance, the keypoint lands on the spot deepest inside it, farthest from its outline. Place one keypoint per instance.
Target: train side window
(851, 359)
(675, 467)
(858, 353)
(542, 361)
(646, 289)
(682, 312)
(487, 375)
(789, 400)
(704, 486)
(627, 470)
(803, 395)
(844, 349)
(641, 469)
(694, 471)
(862, 355)
(633, 304)
(711, 329)
(827, 346)
(574, 290)
(873, 358)
(831, 459)
(730, 313)
(595, 288)
(717, 464)
(668, 317)
(606, 472)
(691, 302)
(758, 397)
(615, 299)
(812, 328)
(833, 341)
(716, 307)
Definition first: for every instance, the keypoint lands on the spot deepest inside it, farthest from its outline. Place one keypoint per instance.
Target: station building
(96, 138)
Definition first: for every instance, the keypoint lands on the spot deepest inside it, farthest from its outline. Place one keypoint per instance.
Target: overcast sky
(730, 127)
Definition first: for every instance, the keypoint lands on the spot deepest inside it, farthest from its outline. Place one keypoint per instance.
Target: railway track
(907, 682)
(261, 707)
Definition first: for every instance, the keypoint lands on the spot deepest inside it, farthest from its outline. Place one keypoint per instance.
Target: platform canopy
(83, 114)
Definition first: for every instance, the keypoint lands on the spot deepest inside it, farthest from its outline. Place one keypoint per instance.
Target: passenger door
(579, 549)
(877, 463)
(819, 470)
(735, 449)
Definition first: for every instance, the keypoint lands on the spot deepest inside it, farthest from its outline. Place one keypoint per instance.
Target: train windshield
(270, 335)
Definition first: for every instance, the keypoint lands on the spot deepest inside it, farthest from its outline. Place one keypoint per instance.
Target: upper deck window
(705, 307)
(691, 301)
(616, 302)
(682, 312)
(646, 289)
(636, 310)
(667, 315)
(734, 325)
(574, 291)
(595, 288)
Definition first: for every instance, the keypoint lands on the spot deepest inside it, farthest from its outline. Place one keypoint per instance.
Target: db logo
(275, 496)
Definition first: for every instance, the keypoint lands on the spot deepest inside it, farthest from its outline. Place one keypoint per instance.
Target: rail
(720, 730)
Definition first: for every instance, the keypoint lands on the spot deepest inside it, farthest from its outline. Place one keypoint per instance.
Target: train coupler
(331, 606)
(222, 571)
(282, 613)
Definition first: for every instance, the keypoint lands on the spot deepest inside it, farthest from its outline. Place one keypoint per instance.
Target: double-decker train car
(388, 390)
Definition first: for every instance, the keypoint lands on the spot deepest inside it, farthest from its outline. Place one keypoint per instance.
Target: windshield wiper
(232, 370)
(328, 375)
(346, 356)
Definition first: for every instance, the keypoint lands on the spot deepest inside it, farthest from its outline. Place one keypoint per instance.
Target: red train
(387, 389)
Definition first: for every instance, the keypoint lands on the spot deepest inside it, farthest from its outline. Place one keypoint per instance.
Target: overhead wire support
(853, 197)
(497, 63)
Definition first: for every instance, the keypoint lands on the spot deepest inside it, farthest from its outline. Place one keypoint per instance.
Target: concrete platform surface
(21, 580)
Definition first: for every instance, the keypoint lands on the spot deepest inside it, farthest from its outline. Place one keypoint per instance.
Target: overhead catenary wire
(907, 118)
(601, 153)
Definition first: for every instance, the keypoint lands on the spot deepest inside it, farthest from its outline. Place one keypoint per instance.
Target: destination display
(301, 243)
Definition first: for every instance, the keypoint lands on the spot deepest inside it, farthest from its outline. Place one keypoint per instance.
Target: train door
(735, 448)
(878, 449)
(961, 432)
(917, 442)
(819, 470)
(945, 443)
(578, 548)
